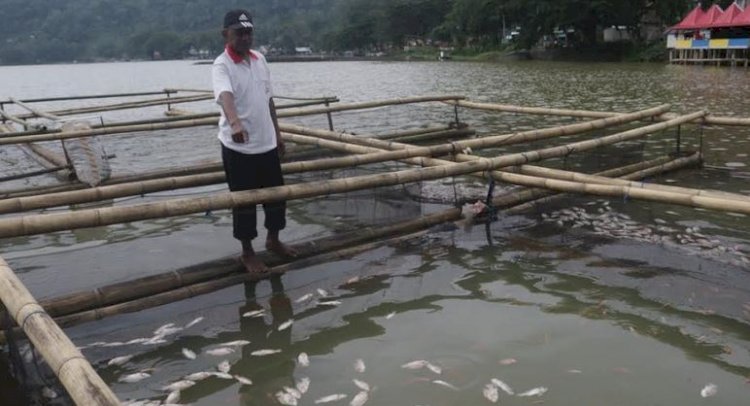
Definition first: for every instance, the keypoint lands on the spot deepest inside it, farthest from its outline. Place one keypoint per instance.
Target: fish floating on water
(330, 303)
(222, 375)
(286, 398)
(194, 322)
(303, 385)
(418, 364)
(390, 315)
(709, 390)
(434, 368)
(221, 351)
(502, 385)
(224, 366)
(330, 398)
(323, 293)
(507, 361)
(237, 343)
(285, 325)
(261, 353)
(243, 380)
(360, 399)
(446, 384)
(303, 360)
(133, 378)
(534, 392)
(173, 397)
(359, 365)
(188, 354)
(362, 385)
(198, 376)
(177, 386)
(119, 360)
(49, 393)
(255, 313)
(304, 298)
(490, 393)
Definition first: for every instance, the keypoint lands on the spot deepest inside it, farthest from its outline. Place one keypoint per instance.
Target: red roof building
(690, 20)
(727, 19)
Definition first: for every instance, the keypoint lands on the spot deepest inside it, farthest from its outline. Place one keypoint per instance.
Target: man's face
(240, 39)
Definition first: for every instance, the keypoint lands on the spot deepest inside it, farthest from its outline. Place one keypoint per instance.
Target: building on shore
(712, 36)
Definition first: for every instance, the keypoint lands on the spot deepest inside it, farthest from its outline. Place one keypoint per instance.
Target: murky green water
(596, 314)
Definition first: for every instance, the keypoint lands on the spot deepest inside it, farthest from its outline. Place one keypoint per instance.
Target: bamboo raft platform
(432, 153)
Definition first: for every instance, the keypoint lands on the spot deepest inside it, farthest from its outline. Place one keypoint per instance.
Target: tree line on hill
(43, 31)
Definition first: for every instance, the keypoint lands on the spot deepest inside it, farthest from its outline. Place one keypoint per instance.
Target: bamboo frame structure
(66, 361)
(507, 108)
(38, 224)
(36, 112)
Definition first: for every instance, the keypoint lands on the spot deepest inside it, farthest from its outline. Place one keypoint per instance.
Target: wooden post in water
(66, 361)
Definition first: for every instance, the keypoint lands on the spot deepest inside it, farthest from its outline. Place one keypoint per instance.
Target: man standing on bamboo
(251, 143)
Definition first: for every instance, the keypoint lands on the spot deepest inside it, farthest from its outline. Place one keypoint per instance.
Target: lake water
(597, 315)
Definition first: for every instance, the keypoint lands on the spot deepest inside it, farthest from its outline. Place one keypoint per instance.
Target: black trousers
(256, 171)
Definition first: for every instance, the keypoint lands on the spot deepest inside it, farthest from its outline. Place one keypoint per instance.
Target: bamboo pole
(546, 196)
(39, 224)
(94, 96)
(124, 106)
(18, 120)
(506, 108)
(34, 111)
(146, 287)
(107, 131)
(66, 361)
(366, 105)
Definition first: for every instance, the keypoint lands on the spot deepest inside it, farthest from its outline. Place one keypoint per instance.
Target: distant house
(303, 50)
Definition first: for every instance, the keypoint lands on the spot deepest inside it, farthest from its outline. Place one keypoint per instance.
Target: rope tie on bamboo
(20, 309)
(178, 276)
(98, 295)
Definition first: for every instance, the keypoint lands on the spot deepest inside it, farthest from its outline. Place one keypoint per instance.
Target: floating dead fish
(534, 392)
(359, 365)
(137, 341)
(114, 344)
(303, 360)
(304, 298)
(218, 352)
(224, 366)
(236, 343)
(446, 384)
(303, 385)
(362, 385)
(119, 360)
(173, 397)
(502, 385)
(167, 327)
(330, 398)
(254, 313)
(709, 390)
(323, 293)
(49, 393)
(351, 280)
(132, 378)
(285, 325)
(188, 354)
(286, 399)
(390, 315)
(359, 399)
(260, 353)
(194, 322)
(243, 380)
(575, 371)
(507, 361)
(330, 303)
(198, 376)
(293, 391)
(154, 340)
(490, 393)
(179, 385)
(418, 364)
(434, 368)
(222, 375)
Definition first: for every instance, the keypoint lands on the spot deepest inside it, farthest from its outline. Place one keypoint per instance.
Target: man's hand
(281, 147)
(239, 135)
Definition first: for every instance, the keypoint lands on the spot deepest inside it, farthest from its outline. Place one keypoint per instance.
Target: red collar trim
(237, 58)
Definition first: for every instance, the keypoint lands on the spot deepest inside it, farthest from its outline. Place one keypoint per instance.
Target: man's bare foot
(253, 264)
(281, 249)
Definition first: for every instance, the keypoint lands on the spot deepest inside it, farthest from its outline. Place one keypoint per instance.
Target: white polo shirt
(249, 80)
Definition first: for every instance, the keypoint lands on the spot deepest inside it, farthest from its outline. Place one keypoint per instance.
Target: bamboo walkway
(438, 159)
